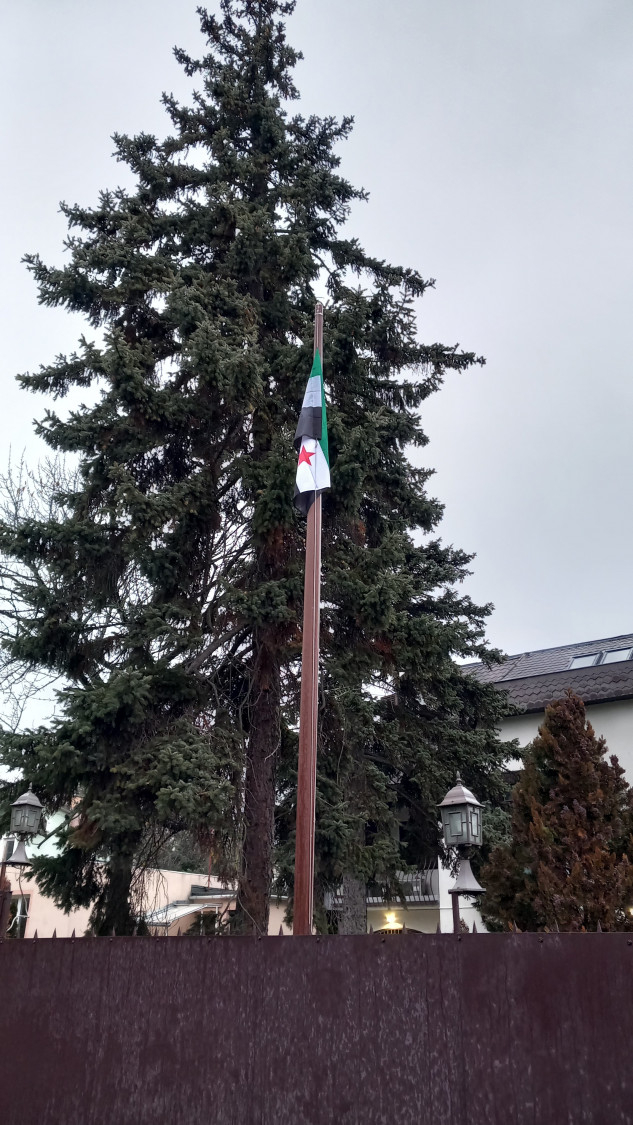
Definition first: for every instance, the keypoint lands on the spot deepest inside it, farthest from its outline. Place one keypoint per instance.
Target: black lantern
(26, 815)
(461, 817)
(465, 883)
(461, 825)
(18, 857)
(26, 820)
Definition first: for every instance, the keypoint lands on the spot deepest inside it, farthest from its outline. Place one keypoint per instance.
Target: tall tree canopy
(566, 865)
(166, 585)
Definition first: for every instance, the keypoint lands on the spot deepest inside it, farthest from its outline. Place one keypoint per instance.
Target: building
(600, 672)
(32, 912)
(183, 901)
(205, 906)
(168, 901)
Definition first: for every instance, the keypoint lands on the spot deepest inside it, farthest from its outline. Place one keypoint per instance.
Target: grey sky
(494, 138)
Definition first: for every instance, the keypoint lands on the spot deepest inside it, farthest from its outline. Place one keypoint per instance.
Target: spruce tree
(166, 587)
(567, 864)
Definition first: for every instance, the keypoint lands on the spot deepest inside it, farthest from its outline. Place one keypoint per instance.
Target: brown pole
(308, 713)
(457, 926)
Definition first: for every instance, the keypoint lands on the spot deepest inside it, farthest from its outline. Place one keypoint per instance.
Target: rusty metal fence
(507, 1029)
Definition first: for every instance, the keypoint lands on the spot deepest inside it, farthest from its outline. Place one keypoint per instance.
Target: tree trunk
(113, 913)
(253, 897)
(353, 916)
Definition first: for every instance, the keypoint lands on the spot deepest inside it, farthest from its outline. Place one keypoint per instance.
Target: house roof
(534, 679)
(167, 915)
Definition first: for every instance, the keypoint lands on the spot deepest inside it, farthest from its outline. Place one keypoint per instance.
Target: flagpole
(308, 713)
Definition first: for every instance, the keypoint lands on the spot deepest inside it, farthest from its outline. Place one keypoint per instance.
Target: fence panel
(507, 1029)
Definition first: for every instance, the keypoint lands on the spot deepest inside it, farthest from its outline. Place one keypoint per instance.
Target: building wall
(614, 721)
(162, 887)
(423, 919)
(44, 917)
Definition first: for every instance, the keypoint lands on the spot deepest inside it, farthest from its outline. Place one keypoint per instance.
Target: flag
(313, 467)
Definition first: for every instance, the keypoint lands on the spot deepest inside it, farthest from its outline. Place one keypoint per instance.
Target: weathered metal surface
(509, 1029)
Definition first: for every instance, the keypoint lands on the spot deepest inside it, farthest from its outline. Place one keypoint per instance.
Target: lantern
(26, 815)
(18, 857)
(461, 817)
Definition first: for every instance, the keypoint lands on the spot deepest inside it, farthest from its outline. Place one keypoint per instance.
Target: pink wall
(45, 917)
(161, 887)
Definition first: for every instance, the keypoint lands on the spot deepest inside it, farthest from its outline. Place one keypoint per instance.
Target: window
(588, 659)
(616, 654)
(585, 661)
(18, 916)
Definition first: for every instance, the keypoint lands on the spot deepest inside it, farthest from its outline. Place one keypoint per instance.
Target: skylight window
(585, 661)
(616, 654)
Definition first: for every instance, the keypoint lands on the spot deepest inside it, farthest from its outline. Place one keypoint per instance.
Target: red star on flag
(305, 456)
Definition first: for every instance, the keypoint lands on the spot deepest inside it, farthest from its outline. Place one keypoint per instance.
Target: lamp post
(461, 827)
(26, 819)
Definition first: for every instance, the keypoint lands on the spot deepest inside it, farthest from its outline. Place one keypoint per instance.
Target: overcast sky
(494, 137)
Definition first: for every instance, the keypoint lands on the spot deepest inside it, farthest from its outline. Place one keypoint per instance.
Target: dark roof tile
(534, 679)
(545, 660)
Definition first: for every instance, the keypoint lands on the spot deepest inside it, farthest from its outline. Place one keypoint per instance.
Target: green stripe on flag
(324, 438)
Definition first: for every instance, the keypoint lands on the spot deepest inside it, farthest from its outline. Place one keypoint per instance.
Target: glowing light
(390, 919)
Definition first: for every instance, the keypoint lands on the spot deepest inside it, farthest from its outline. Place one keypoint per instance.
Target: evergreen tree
(166, 587)
(567, 863)
(183, 852)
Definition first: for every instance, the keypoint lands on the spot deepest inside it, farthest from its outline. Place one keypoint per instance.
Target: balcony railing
(418, 888)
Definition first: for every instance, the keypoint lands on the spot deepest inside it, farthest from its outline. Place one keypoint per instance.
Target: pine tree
(166, 587)
(567, 864)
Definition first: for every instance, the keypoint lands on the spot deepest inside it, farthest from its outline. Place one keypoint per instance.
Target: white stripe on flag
(312, 397)
(315, 475)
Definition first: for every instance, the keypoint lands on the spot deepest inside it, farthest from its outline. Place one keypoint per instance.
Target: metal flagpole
(308, 714)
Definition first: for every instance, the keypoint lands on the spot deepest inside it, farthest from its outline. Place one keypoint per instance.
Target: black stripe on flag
(303, 501)
(309, 426)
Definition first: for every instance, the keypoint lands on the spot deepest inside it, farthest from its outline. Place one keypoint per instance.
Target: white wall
(612, 720)
(423, 918)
